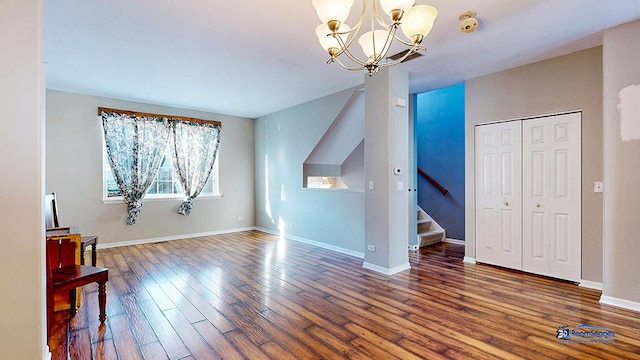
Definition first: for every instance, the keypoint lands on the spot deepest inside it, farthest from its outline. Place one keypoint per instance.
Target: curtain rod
(137, 113)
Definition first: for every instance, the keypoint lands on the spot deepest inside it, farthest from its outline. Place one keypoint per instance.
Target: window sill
(119, 200)
(334, 190)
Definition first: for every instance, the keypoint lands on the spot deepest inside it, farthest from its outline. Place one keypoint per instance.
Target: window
(166, 184)
(325, 182)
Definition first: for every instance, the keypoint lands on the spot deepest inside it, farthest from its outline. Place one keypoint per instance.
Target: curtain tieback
(185, 208)
(134, 206)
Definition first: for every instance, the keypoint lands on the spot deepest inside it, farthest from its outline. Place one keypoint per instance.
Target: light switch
(400, 185)
(370, 184)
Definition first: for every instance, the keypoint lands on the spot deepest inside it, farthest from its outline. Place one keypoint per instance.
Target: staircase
(429, 232)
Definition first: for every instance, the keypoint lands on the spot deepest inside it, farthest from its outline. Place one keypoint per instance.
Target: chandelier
(336, 37)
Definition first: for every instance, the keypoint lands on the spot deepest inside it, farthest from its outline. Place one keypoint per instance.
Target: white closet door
(498, 194)
(551, 190)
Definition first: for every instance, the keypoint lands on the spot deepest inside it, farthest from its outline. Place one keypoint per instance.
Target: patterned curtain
(135, 147)
(194, 147)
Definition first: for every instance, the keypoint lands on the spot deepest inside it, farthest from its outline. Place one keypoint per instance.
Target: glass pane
(211, 186)
(112, 186)
(208, 186)
(163, 187)
(177, 189)
(165, 183)
(164, 174)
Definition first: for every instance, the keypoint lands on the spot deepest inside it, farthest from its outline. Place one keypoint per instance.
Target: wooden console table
(90, 240)
(86, 241)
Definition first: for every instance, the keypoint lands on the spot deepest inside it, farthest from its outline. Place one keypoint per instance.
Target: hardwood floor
(250, 295)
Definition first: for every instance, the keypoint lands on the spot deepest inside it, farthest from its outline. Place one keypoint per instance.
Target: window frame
(215, 176)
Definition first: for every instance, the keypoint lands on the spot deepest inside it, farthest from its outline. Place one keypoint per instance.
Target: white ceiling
(251, 58)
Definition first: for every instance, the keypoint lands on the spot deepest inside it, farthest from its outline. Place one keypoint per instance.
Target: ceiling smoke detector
(469, 22)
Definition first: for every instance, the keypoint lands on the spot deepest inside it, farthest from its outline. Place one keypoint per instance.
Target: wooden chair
(65, 275)
(50, 212)
(52, 225)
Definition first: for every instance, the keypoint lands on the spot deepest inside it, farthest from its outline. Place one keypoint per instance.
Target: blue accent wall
(440, 152)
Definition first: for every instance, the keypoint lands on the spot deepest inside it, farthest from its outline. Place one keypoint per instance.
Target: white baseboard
(454, 241)
(609, 300)
(386, 271)
(171, 238)
(314, 243)
(590, 285)
(469, 260)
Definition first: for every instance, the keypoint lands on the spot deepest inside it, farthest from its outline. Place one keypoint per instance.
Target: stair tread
(431, 232)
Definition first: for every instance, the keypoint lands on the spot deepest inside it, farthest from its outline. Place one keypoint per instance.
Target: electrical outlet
(291, 225)
(370, 184)
(371, 248)
(240, 218)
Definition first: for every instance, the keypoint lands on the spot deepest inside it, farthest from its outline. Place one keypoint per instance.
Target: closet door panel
(552, 196)
(498, 194)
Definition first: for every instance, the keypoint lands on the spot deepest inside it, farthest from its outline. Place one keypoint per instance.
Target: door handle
(506, 203)
(537, 205)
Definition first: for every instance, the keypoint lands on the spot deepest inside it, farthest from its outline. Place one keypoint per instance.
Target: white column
(387, 200)
(22, 308)
(621, 246)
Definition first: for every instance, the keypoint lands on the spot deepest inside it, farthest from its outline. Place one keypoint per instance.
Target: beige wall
(74, 173)
(570, 82)
(22, 305)
(621, 170)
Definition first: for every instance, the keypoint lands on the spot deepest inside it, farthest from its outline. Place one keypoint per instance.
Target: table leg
(102, 300)
(72, 302)
(94, 256)
(82, 250)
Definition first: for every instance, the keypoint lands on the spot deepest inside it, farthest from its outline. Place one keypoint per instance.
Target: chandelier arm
(387, 45)
(382, 23)
(359, 68)
(340, 51)
(354, 58)
(398, 61)
(376, 59)
(373, 28)
(390, 63)
(377, 12)
(340, 42)
(353, 32)
(418, 46)
(344, 49)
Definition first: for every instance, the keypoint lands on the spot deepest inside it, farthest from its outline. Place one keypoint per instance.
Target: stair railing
(433, 182)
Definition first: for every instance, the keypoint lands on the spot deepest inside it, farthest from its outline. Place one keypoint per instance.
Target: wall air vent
(402, 53)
